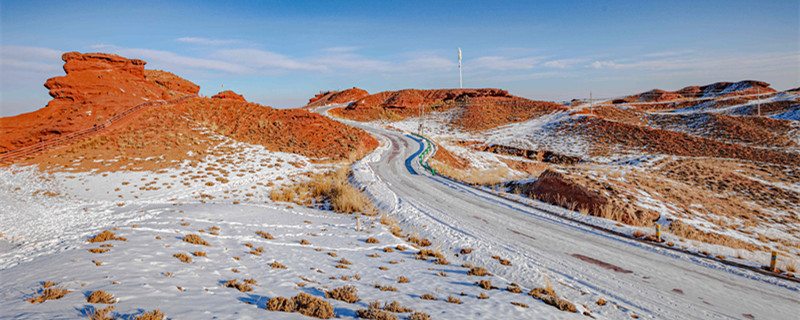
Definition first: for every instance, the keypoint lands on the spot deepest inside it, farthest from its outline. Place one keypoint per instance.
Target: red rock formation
(228, 94)
(413, 97)
(336, 97)
(96, 87)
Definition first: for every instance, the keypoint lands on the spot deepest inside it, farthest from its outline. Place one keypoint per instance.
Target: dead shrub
(304, 242)
(344, 261)
(372, 240)
(424, 242)
(638, 234)
(477, 271)
(182, 257)
(313, 307)
(199, 254)
(395, 307)
(485, 284)
(152, 315)
(601, 302)
(241, 286)
(424, 254)
(684, 230)
(348, 294)
(400, 247)
(98, 262)
(427, 296)
(483, 296)
(97, 250)
(466, 251)
(251, 281)
(513, 288)
(402, 279)
(519, 304)
(451, 299)
(50, 291)
(560, 304)
(276, 265)
(332, 254)
(101, 296)
(375, 314)
(332, 188)
(105, 236)
(195, 239)
(280, 304)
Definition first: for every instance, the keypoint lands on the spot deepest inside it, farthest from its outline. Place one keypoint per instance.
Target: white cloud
(500, 63)
(562, 63)
(341, 49)
(207, 41)
(265, 60)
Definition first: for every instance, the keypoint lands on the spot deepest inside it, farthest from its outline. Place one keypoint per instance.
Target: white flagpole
(460, 83)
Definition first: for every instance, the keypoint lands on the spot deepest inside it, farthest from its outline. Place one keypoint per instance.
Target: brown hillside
(96, 87)
(718, 89)
(395, 105)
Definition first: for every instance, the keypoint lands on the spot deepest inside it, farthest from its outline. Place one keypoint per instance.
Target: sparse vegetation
(241, 286)
(477, 271)
(330, 188)
(427, 296)
(100, 296)
(195, 239)
(50, 291)
(347, 294)
(106, 236)
(303, 304)
(183, 257)
(152, 315)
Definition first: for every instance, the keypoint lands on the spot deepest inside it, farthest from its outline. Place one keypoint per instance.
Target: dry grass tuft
(276, 265)
(265, 235)
(681, 229)
(199, 254)
(332, 188)
(97, 262)
(183, 257)
(348, 294)
(514, 288)
(332, 254)
(419, 316)
(478, 271)
(50, 291)
(548, 296)
(395, 307)
(313, 307)
(344, 261)
(152, 315)
(424, 242)
(372, 240)
(601, 302)
(101, 296)
(638, 234)
(195, 239)
(388, 249)
(97, 250)
(424, 254)
(519, 304)
(486, 284)
(466, 251)
(451, 299)
(385, 288)
(402, 279)
(105, 236)
(483, 296)
(304, 242)
(241, 286)
(102, 314)
(427, 296)
(375, 313)
(251, 281)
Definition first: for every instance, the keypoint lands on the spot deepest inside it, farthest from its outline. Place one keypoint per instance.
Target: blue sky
(280, 53)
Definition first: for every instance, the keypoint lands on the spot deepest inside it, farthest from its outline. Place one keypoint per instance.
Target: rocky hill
(336, 97)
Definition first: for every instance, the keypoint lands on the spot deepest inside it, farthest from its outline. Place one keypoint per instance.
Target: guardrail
(13, 155)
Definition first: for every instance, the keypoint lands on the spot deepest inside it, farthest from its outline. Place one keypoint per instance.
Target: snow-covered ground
(47, 218)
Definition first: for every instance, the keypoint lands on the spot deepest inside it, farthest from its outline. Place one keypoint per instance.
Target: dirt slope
(336, 97)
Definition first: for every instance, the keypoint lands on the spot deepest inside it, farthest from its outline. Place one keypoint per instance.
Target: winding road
(586, 263)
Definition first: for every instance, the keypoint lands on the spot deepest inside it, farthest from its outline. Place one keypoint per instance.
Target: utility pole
(421, 118)
(758, 100)
(460, 83)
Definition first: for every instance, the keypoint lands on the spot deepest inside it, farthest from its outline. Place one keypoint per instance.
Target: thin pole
(758, 100)
(460, 82)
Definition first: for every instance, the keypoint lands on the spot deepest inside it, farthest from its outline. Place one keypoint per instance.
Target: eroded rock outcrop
(96, 87)
(228, 94)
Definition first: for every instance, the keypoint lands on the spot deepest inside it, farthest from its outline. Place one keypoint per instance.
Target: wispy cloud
(207, 41)
(563, 63)
(501, 63)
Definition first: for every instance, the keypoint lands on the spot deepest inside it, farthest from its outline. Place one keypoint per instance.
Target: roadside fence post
(773, 261)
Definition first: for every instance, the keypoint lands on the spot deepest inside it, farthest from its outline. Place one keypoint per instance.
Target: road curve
(645, 280)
